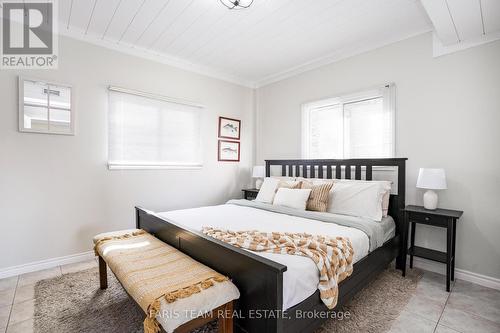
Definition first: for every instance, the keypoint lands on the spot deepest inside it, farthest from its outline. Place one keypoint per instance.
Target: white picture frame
(34, 100)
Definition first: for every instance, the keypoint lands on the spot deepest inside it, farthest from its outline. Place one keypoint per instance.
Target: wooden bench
(223, 313)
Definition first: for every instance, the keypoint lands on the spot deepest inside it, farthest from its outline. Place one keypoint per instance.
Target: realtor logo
(29, 36)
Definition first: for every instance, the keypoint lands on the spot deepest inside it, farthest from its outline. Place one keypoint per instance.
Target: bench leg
(225, 321)
(103, 274)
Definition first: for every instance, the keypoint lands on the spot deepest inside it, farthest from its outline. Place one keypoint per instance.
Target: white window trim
(343, 99)
(21, 127)
(144, 166)
(154, 166)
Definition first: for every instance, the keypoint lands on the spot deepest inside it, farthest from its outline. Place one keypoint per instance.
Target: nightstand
(444, 218)
(250, 193)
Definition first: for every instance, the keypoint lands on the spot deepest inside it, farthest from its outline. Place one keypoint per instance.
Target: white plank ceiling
(255, 45)
(457, 21)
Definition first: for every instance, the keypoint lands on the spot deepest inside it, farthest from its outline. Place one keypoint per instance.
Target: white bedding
(302, 277)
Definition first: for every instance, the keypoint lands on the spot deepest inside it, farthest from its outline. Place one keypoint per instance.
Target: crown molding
(345, 53)
(336, 56)
(157, 57)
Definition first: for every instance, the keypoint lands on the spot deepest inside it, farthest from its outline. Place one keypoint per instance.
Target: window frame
(366, 94)
(21, 80)
(154, 166)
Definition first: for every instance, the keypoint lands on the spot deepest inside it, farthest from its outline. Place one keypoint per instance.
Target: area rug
(74, 303)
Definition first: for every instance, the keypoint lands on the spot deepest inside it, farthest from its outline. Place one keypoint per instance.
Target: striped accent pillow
(318, 200)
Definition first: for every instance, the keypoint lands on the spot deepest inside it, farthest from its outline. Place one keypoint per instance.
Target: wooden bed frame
(260, 280)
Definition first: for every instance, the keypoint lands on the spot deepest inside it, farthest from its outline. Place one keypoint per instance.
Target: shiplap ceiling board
(457, 21)
(491, 15)
(267, 39)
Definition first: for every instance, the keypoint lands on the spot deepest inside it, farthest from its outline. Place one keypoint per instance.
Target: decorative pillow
(285, 178)
(318, 200)
(292, 198)
(267, 190)
(358, 198)
(385, 203)
(289, 184)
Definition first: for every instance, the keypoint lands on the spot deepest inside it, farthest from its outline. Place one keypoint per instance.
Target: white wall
(448, 115)
(56, 191)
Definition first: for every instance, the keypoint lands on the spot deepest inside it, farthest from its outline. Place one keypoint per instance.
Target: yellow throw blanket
(150, 270)
(332, 256)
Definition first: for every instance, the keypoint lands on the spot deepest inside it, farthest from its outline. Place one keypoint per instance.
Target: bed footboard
(259, 280)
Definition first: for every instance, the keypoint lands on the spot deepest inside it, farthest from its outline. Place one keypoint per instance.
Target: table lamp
(259, 172)
(431, 179)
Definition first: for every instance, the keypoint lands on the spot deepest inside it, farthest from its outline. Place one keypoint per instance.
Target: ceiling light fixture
(237, 4)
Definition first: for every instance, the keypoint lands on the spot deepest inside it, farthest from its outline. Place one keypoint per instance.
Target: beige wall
(448, 115)
(56, 191)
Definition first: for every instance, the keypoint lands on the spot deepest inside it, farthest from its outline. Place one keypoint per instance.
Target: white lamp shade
(433, 179)
(259, 171)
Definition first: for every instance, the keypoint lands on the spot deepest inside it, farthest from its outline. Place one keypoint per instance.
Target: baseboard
(421, 263)
(45, 264)
(432, 266)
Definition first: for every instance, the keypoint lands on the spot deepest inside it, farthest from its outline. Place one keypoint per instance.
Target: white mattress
(302, 277)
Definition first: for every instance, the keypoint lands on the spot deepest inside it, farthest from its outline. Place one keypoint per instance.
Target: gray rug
(74, 303)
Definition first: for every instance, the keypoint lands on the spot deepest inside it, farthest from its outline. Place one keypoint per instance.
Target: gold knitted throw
(332, 255)
(151, 270)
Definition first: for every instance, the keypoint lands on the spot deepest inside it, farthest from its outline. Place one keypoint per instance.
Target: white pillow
(292, 198)
(358, 198)
(267, 190)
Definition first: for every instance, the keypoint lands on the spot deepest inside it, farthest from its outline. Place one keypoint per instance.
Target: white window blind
(148, 131)
(359, 125)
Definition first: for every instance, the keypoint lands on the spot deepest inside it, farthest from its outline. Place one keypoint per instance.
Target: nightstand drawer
(428, 219)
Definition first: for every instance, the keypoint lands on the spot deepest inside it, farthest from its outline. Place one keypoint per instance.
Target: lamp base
(430, 200)
(258, 183)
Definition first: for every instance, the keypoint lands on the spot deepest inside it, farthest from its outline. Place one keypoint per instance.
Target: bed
(277, 290)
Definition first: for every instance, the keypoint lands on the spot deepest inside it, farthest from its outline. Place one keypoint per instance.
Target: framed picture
(229, 151)
(229, 128)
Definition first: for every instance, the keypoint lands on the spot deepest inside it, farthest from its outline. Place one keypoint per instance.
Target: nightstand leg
(401, 259)
(453, 250)
(412, 242)
(449, 233)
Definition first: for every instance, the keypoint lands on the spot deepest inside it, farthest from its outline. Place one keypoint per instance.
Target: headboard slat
(338, 171)
(320, 171)
(358, 172)
(329, 171)
(368, 175)
(347, 172)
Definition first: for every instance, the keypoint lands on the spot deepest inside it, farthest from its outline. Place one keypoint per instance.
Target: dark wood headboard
(348, 168)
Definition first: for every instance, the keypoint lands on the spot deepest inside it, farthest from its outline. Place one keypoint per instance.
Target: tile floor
(467, 308)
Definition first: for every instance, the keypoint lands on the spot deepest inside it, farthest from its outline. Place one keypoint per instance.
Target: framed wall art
(229, 151)
(229, 128)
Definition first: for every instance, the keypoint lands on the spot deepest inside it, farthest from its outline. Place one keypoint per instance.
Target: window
(354, 126)
(149, 131)
(45, 107)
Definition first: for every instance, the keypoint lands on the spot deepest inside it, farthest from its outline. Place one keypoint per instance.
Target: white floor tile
(24, 293)
(408, 322)
(32, 278)
(8, 283)
(21, 327)
(21, 312)
(467, 322)
(4, 316)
